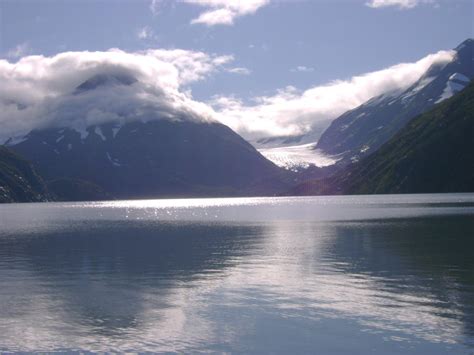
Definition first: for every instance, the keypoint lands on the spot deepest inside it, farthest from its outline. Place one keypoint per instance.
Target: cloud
(155, 7)
(302, 69)
(39, 91)
(224, 12)
(293, 112)
(145, 33)
(19, 51)
(402, 4)
(219, 12)
(239, 70)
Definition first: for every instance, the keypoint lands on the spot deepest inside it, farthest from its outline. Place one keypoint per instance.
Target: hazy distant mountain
(360, 132)
(19, 182)
(433, 153)
(144, 159)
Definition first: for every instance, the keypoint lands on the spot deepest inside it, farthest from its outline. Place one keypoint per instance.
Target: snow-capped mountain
(166, 156)
(431, 154)
(364, 129)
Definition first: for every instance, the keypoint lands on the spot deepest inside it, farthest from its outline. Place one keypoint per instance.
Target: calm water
(384, 274)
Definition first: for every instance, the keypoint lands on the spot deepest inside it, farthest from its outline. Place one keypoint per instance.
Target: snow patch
(451, 88)
(375, 100)
(344, 127)
(364, 148)
(460, 77)
(114, 162)
(98, 131)
(82, 132)
(15, 140)
(115, 130)
(384, 98)
(417, 88)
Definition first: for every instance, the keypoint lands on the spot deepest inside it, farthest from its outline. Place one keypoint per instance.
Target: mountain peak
(467, 45)
(102, 80)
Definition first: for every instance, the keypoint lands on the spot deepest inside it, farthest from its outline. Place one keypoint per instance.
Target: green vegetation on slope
(18, 180)
(433, 153)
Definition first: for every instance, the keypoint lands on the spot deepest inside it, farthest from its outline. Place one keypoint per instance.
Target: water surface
(357, 274)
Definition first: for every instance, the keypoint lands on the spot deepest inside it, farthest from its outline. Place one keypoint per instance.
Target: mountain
(150, 159)
(19, 182)
(104, 80)
(361, 131)
(433, 153)
(145, 158)
(73, 189)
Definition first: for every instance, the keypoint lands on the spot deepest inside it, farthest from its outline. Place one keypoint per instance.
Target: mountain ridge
(361, 131)
(433, 153)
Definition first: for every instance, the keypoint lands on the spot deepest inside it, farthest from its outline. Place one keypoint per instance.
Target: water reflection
(422, 268)
(101, 278)
(264, 275)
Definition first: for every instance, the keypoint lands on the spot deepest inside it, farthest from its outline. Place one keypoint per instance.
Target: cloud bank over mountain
(294, 112)
(39, 91)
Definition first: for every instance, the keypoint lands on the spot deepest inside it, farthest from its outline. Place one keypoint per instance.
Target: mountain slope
(360, 132)
(19, 182)
(145, 150)
(433, 153)
(155, 158)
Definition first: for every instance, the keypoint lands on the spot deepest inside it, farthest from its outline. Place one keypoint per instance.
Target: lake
(385, 274)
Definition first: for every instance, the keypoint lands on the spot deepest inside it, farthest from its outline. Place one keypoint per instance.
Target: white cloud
(293, 112)
(38, 91)
(155, 7)
(239, 70)
(19, 51)
(402, 4)
(224, 12)
(218, 12)
(302, 68)
(145, 33)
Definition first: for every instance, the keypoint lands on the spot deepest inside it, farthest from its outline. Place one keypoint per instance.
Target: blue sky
(276, 46)
(334, 39)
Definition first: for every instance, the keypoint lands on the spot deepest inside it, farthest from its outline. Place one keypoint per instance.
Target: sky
(263, 67)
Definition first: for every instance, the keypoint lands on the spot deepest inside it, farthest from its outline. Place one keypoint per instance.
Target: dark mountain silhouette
(19, 181)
